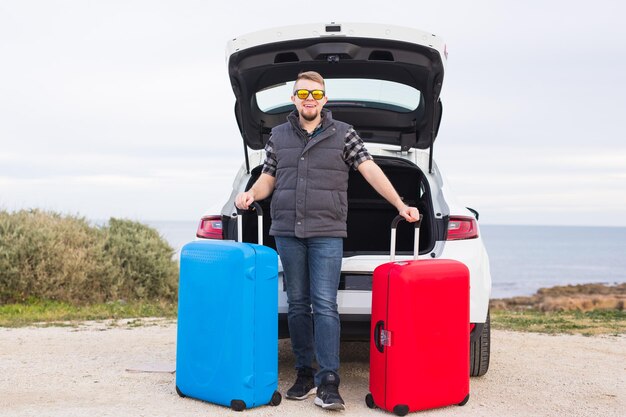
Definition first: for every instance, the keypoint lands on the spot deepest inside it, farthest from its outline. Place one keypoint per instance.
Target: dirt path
(65, 371)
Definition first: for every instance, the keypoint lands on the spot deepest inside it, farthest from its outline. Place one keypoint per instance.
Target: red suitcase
(419, 349)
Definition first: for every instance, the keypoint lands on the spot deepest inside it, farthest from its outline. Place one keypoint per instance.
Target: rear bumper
(356, 327)
(473, 254)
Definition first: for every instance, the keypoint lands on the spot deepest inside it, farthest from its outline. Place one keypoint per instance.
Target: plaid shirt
(354, 151)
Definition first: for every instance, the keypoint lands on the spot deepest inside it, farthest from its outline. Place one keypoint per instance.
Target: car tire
(480, 351)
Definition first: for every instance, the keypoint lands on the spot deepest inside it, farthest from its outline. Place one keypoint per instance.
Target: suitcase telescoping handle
(256, 206)
(394, 225)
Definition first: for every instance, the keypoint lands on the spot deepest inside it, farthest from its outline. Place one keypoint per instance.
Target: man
(306, 168)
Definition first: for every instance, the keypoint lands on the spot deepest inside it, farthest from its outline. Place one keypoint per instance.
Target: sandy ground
(69, 371)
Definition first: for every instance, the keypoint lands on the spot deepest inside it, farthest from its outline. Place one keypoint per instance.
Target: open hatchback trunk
(384, 80)
(369, 214)
(387, 87)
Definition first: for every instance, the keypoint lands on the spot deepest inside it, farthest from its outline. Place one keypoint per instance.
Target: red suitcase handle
(382, 337)
(377, 342)
(394, 225)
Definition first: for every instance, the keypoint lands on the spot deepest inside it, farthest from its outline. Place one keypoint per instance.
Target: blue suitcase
(227, 336)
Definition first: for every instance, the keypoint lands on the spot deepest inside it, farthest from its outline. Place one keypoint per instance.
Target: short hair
(311, 76)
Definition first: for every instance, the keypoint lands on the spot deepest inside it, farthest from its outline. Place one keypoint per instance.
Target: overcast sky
(124, 108)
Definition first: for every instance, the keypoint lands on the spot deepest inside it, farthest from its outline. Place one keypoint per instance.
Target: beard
(310, 116)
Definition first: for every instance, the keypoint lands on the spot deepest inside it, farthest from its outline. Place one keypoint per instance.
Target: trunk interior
(369, 214)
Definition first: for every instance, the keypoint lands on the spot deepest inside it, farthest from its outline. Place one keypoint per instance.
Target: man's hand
(261, 189)
(243, 200)
(411, 214)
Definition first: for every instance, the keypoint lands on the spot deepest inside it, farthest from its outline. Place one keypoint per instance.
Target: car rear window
(356, 92)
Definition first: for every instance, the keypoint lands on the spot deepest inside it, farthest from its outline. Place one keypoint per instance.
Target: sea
(522, 259)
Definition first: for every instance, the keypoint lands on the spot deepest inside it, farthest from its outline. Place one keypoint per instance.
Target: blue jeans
(312, 268)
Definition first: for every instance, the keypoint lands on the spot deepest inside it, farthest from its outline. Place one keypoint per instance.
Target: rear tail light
(461, 227)
(210, 227)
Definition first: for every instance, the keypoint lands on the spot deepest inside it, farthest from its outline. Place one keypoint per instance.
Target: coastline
(580, 297)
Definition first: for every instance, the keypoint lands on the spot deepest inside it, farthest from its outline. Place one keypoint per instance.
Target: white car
(385, 81)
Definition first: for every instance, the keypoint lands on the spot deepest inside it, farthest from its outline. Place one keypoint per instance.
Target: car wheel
(479, 351)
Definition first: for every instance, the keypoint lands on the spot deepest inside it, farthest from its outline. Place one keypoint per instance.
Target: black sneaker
(303, 387)
(328, 394)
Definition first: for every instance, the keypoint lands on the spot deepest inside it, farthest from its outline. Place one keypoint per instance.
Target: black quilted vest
(310, 197)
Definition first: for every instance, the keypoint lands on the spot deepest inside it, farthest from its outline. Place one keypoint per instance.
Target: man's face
(309, 108)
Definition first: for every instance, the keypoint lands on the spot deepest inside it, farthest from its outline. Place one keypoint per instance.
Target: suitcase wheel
(179, 392)
(401, 410)
(237, 405)
(276, 399)
(369, 401)
(465, 400)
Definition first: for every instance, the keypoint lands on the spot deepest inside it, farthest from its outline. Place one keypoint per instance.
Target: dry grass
(588, 323)
(587, 297)
(53, 313)
(589, 309)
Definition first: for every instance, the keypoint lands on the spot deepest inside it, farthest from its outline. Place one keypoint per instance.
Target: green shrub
(142, 261)
(49, 256)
